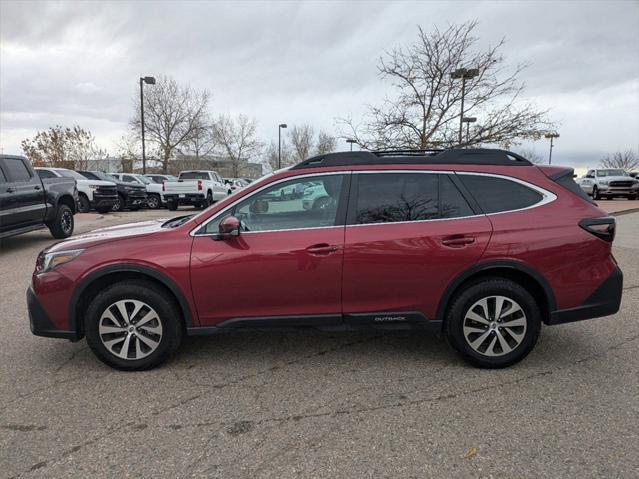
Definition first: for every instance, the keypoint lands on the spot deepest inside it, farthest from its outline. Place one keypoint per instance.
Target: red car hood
(112, 233)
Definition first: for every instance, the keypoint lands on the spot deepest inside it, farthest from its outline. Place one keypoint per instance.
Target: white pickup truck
(199, 188)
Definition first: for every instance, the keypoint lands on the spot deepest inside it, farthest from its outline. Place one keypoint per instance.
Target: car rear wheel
(595, 193)
(132, 325)
(493, 323)
(62, 225)
(172, 205)
(209, 199)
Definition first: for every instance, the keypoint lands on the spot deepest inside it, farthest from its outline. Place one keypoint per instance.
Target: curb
(624, 212)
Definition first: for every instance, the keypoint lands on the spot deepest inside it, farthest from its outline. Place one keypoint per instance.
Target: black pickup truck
(27, 204)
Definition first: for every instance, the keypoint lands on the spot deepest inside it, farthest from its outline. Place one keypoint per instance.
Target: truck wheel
(133, 325)
(62, 226)
(84, 205)
(595, 193)
(209, 199)
(153, 201)
(632, 197)
(103, 209)
(119, 204)
(172, 205)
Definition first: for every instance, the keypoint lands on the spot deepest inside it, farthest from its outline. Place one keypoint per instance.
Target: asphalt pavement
(312, 404)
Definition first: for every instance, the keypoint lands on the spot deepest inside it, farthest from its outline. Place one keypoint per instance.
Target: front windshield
(71, 174)
(143, 179)
(611, 173)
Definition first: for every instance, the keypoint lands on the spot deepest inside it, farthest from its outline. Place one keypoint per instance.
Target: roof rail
(455, 156)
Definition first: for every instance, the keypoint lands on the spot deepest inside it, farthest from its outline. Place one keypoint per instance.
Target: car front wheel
(493, 323)
(132, 325)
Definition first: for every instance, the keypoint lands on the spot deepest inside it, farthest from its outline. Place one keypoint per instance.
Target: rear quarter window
(495, 195)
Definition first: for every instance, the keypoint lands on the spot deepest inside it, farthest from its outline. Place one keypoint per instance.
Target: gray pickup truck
(608, 183)
(27, 203)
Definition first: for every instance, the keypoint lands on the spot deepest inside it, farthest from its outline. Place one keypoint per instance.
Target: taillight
(603, 227)
(199, 185)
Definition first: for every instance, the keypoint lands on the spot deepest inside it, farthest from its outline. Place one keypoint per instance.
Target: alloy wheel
(130, 329)
(495, 326)
(66, 221)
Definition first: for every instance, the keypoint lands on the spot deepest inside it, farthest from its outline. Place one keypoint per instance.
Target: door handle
(321, 249)
(36, 187)
(10, 190)
(458, 241)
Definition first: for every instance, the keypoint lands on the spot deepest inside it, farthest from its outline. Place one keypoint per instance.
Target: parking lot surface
(312, 404)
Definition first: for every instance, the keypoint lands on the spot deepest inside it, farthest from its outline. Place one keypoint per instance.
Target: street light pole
(468, 120)
(463, 74)
(149, 81)
(351, 141)
(279, 144)
(552, 136)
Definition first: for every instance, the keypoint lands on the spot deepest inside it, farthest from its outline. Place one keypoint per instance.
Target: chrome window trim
(547, 197)
(268, 185)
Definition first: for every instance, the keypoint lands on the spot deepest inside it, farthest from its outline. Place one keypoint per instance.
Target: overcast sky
(307, 62)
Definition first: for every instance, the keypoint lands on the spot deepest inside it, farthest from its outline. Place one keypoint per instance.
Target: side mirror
(229, 227)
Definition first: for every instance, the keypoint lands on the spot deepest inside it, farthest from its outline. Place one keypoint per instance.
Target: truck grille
(623, 184)
(106, 190)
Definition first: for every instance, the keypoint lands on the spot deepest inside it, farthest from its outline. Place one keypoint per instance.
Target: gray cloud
(309, 62)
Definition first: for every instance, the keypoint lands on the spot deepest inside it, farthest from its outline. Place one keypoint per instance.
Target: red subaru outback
(478, 244)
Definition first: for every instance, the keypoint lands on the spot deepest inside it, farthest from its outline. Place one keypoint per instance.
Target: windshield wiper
(177, 221)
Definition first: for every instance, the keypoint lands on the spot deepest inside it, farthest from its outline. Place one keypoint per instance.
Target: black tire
(595, 193)
(321, 203)
(155, 297)
(172, 205)
(62, 225)
(84, 205)
(134, 208)
(632, 197)
(153, 201)
(119, 205)
(209, 199)
(469, 296)
(103, 209)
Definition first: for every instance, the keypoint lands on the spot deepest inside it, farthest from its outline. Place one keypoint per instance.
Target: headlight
(51, 260)
(94, 187)
(604, 182)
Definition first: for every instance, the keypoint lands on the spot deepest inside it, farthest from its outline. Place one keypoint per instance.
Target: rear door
(408, 234)
(23, 195)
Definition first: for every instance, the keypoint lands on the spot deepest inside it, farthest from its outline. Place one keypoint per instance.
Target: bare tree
(173, 115)
(325, 143)
(202, 142)
(271, 156)
(302, 142)
(426, 109)
(238, 139)
(531, 155)
(62, 147)
(625, 160)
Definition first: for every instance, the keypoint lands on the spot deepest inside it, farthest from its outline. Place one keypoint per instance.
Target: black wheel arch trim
(486, 267)
(128, 268)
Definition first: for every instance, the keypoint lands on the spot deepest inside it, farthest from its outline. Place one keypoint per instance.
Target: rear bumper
(185, 198)
(603, 302)
(40, 323)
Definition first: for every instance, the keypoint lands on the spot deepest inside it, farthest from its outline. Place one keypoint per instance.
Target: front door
(408, 235)
(285, 267)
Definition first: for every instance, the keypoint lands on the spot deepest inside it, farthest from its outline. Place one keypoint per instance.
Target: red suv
(480, 245)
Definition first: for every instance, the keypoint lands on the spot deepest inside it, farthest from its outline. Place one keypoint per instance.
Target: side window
(45, 174)
(498, 194)
(128, 179)
(393, 197)
(451, 202)
(287, 206)
(16, 169)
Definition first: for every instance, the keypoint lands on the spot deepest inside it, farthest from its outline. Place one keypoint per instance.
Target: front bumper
(618, 190)
(136, 199)
(40, 323)
(104, 200)
(603, 302)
